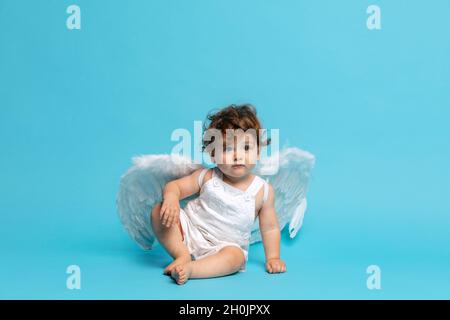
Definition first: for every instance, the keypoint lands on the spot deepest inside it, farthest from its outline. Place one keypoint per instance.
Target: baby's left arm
(270, 233)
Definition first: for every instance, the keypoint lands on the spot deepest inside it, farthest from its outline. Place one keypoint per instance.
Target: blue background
(372, 106)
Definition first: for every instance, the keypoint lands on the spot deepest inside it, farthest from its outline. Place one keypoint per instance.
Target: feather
(141, 188)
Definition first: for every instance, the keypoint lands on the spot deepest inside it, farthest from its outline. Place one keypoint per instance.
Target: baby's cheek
(250, 161)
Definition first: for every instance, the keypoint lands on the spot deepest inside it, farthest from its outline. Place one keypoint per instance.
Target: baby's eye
(247, 147)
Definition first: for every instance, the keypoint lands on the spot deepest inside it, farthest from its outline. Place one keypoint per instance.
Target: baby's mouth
(237, 166)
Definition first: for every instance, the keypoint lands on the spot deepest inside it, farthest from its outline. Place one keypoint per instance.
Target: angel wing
(141, 188)
(288, 172)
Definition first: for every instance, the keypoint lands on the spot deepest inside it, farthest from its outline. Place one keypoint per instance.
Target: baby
(210, 236)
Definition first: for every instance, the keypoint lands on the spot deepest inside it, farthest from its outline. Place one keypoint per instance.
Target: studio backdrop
(364, 86)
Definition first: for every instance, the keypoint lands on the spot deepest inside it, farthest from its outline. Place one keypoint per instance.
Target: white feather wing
(141, 188)
(288, 172)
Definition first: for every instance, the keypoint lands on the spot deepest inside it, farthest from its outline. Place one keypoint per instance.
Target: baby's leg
(227, 261)
(171, 239)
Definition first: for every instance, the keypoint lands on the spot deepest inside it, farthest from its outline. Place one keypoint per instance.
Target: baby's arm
(173, 192)
(270, 233)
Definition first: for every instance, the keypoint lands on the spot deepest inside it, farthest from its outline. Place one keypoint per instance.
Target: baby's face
(239, 155)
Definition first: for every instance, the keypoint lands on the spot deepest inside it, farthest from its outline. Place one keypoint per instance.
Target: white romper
(222, 215)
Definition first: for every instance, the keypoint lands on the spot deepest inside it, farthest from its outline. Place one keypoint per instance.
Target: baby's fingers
(165, 216)
(277, 268)
(281, 268)
(170, 219)
(271, 268)
(161, 211)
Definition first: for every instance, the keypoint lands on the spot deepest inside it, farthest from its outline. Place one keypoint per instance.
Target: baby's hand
(275, 266)
(170, 212)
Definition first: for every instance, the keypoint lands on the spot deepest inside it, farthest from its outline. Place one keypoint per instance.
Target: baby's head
(232, 137)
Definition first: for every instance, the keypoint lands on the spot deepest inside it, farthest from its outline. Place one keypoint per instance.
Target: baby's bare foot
(181, 273)
(180, 260)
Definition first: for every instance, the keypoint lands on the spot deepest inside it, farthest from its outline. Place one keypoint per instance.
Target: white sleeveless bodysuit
(222, 215)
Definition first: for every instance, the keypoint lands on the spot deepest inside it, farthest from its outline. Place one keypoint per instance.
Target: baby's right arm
(173, 192)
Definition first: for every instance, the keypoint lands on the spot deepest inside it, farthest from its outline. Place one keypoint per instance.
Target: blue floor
(328, 259)
(372, 106)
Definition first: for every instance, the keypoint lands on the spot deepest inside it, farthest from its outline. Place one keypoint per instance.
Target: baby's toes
(180, 270)
(181, 274)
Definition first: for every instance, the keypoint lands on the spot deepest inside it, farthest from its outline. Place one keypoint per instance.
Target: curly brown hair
(234, 117)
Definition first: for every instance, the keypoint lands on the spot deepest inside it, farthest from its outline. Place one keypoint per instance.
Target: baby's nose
(238, 156)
